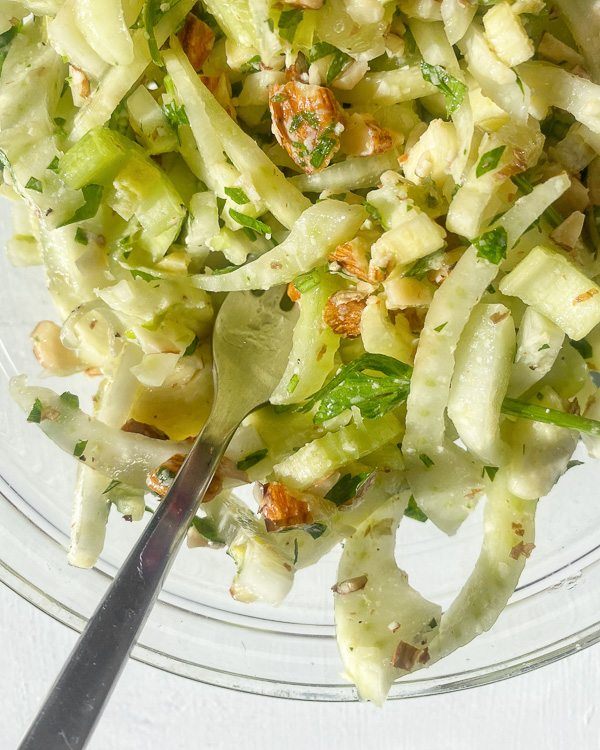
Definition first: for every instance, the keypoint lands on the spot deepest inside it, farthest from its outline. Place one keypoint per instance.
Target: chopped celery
(556, 288)
(314, 345)
(328, 453)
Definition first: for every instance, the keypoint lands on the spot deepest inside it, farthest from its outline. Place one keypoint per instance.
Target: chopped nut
(281, 508)
(498, 317)
(352, 258)
(307, 122)
(364, 136)
(141, 428)
(292, 292)
(516, 166)
(522, 549)
(393, 626)
(574, 407)
(50, 352)
(297, 71)
(518, 528)
(80, 85)
(473, 493)
(350, 585)
(197, 40)
(220, 87)
(343, 313)
(585, 296)
(93, 372)
(406, 656)
(161, 479)
(568, 233)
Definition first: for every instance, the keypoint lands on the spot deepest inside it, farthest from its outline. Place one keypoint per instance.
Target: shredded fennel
(424, 179)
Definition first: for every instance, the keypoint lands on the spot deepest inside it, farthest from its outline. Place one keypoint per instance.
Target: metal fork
(251, 344)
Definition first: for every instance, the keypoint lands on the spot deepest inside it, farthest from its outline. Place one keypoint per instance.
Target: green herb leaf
(92, 194)
(544, 346)
(441, 327)
(295, 550)
(5, 41)
(279, 98)
(325, 145)
(81, 236)
(426, 460)
(175, 115)
(59, 128)
(514, 408)
(347, 487)
(79, 448)
(111, 486)
(247, 221)
(307, 281)
(491, 471)
(288, 23)
(315, 529)
(423, 266)
(237, 195)
(492, 245)
(70, 399)
(191, 347)
(339, 62)
(252, 65)
(142, 275)
(413, 511)
(293, 384)
(453, 90)
(583, 347)
(252, 459)
(227, 269)
(353, 385)
(53, 166)
(372, 211)
(34, 184)
(206, 527)
(153, 11)
(35, 415)
(489, 161)
(574, 463)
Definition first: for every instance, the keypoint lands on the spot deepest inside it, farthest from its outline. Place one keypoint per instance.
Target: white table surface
(556, 708)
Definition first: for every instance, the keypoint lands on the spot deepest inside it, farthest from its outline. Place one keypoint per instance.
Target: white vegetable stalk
(104, 28)
(457, 17)
(483, 363)
(284, 201)
(434, 362)
(375, 607)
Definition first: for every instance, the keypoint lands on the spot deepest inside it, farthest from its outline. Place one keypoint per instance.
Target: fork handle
(69, 714)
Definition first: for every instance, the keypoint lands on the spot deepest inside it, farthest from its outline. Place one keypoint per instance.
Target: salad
(421, 179)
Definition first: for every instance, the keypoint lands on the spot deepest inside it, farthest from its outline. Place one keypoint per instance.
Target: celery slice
(105, 30)
(324, 455)
(556, 288)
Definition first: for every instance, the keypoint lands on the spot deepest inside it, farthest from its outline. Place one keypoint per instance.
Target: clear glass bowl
(198, 631)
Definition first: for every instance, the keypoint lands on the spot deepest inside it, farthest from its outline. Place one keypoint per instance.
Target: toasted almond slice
(282, 508)
(197, 40)
(343, 313)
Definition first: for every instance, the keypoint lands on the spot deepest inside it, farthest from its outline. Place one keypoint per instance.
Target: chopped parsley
(339, 61)
(247, 221)
(53, 166)
(34, 184)
(288, 23)
(426, 460)
(492, 245)
(293, 384)
(81, 236)
(175, 115)
(583, 347)
(441, 327)
(111, 486)
(92, 195)
(191, 348)
(252, 459)
(315, 529)
(35, 415)
(491, 471)
(252, 65)
(413, 511)
(237, 195)
(453, 90)
(347, 487)
(325, 145)
(489, 161)
(70, 399)
(206, 527)
(79, 448)
(307, 281)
